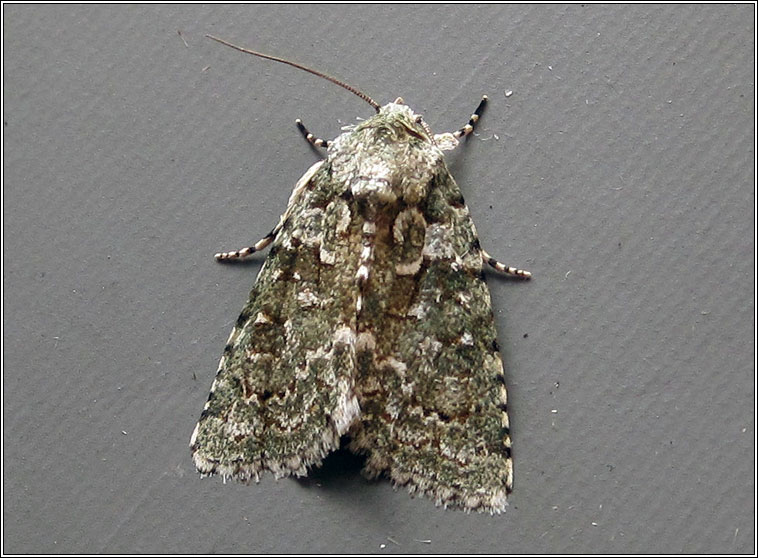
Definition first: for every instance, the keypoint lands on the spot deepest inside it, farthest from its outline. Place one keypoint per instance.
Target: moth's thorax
(386, 158)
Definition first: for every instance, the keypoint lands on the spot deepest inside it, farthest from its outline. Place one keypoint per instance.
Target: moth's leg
(313, 140)
(489, 260)
(469, 127)
(297, 192)
(242, 252)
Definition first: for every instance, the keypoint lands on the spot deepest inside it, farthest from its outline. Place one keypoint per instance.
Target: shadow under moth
(370, 319)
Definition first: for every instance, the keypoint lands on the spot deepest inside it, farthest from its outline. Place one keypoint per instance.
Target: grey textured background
(620, 172)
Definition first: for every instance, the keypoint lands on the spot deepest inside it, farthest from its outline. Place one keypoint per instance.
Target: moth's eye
(419, 119)
(399, 101)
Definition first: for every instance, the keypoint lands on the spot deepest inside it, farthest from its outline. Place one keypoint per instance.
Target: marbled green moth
(370, 320)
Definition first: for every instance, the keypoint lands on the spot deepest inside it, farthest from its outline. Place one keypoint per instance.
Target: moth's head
(396, 121)
(388, 157)
(401, 116)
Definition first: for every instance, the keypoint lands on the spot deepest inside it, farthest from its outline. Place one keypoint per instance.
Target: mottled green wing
(430, 382)
(284, 392)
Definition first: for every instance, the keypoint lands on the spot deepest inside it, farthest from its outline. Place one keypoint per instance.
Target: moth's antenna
(350, 88)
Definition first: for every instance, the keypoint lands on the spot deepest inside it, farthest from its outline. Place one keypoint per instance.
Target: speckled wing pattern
(370, 317)
(284, 392)
(432, 391)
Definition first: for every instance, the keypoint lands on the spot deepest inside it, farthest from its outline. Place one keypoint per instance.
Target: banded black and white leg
(489, 260)
(501, 267)
(270, 237)
(310, 138)
(469, 127)
(449, 140)
(243, 252)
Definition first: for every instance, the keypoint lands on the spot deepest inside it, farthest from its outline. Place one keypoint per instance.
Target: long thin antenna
(350, 88)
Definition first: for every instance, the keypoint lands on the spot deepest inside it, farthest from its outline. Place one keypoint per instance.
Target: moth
(370, 320)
